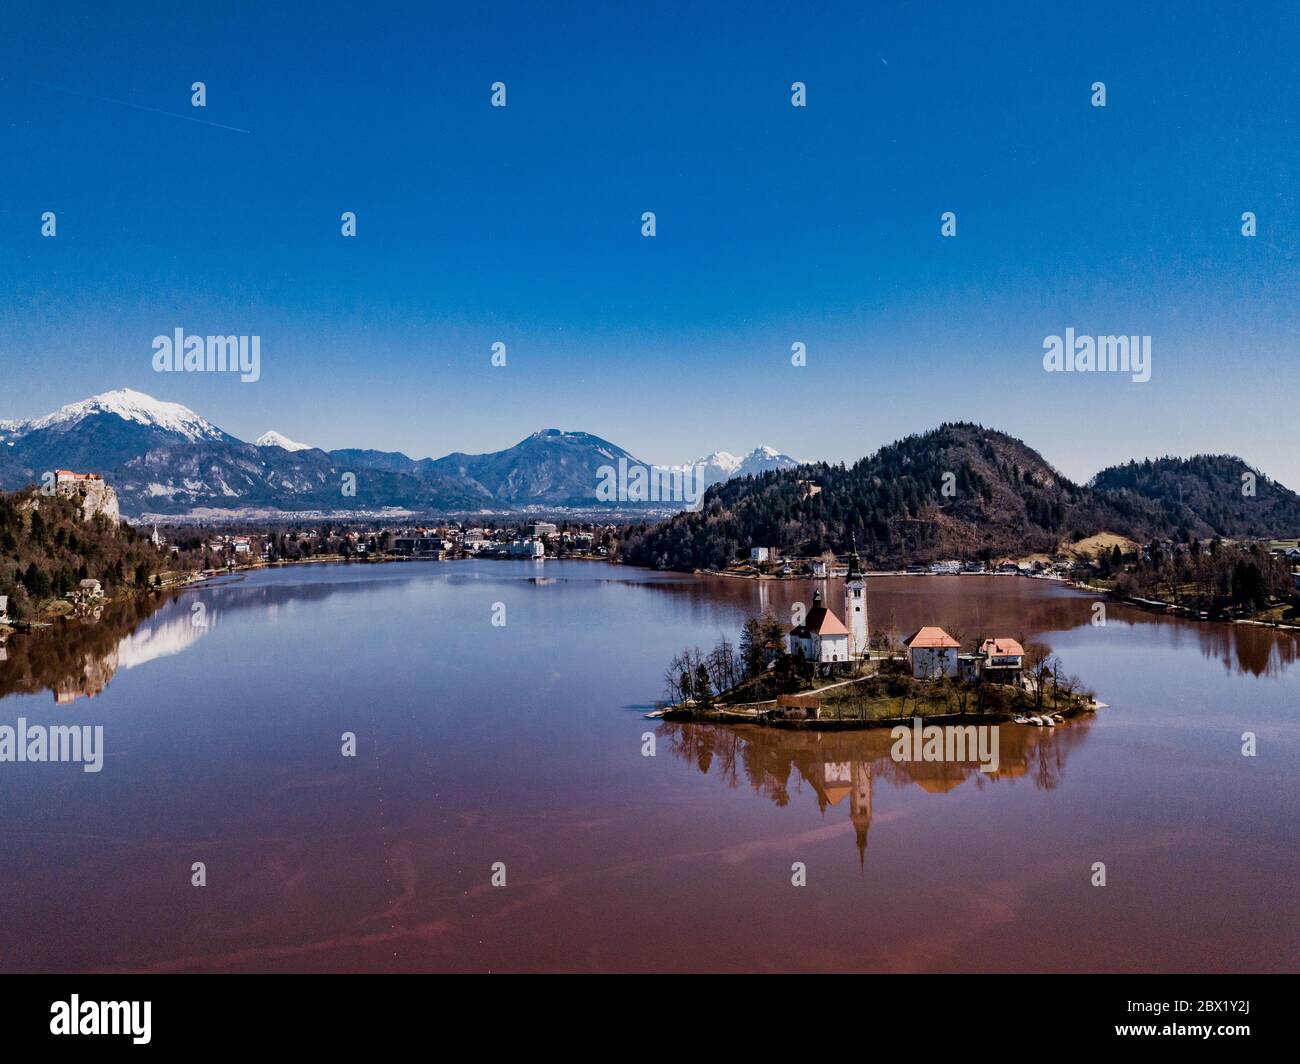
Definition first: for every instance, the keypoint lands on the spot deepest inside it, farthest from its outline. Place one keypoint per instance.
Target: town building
(527, 548)
(759, 554)
(419, 546)
(474, 541)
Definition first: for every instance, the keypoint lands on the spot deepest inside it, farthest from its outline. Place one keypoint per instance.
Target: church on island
(832, 645)
(823, 638)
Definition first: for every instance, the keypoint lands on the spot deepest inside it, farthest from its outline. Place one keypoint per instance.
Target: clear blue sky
(775, 224)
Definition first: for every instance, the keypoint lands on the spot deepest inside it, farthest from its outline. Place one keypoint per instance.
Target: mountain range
(721, 466)
(964, 491)
(164, 459)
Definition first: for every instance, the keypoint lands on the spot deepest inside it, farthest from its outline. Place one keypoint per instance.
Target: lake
(522, 744)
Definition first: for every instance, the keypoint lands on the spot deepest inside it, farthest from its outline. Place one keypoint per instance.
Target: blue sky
(775, 224)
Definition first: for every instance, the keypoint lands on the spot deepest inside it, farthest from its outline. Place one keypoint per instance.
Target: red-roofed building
(931, 653)
(822, 637)
(1003, 660)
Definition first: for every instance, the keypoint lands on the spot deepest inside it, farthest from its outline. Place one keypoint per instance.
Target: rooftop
(1001, 648)
(930, 637)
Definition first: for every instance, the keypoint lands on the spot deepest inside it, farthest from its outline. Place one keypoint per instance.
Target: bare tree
(1039, 667)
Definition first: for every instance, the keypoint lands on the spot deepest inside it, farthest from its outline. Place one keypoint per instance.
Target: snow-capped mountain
(723, 465)
(129, 405)
(763, 458)
(100, 434)
(163, 458)
(276, 439)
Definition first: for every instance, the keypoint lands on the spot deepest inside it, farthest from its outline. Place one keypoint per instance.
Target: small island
(825, 674)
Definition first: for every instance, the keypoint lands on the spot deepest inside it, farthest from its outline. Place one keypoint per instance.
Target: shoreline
(192, 579)
(1182, 613)
(1185, 613)
(47, 619)
(722, 717)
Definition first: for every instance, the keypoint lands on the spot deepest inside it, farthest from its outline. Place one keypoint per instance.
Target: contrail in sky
(141, 107)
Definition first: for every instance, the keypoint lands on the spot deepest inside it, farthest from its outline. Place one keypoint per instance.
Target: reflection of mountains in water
(842, 768)
(78, 657)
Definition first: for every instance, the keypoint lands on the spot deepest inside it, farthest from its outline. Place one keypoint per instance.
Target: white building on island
(822, 637)
(931, 653)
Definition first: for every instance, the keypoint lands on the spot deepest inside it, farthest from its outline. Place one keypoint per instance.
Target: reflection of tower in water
(851, 779)
(860, 806)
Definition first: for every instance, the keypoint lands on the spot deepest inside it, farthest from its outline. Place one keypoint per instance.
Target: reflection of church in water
(835, 781)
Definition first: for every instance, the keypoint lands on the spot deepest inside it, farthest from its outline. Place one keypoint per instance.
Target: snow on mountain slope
(276, 439)
(763, 458)
(129, 405)
(723, 465)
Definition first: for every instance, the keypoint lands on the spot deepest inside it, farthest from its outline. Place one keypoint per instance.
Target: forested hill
(959, 491)
(1210, 494)
(47, 547)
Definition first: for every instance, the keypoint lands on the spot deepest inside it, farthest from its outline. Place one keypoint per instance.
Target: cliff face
(95, 497)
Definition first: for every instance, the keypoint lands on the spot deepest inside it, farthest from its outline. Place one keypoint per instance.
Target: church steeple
(855, 566)
(855, 604)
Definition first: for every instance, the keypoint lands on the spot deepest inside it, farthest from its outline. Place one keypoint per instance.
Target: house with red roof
(1003, 660)
(931, 653)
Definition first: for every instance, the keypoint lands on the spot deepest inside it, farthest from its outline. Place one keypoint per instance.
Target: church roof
(823, 622)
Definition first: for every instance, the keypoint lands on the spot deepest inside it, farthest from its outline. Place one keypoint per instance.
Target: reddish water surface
(523, 745)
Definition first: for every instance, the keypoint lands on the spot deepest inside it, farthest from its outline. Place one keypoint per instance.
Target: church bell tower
(855, 606)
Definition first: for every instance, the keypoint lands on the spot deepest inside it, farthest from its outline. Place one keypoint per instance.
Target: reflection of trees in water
(79, 656)
(842, 767)
(1248, 649)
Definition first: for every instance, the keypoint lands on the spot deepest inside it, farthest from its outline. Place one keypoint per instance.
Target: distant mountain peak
(723, 461)
(723, 465)
(129, 405)
(562, 434)
(271, 438)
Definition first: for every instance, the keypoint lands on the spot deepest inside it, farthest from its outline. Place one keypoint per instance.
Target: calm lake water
(522, 744)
